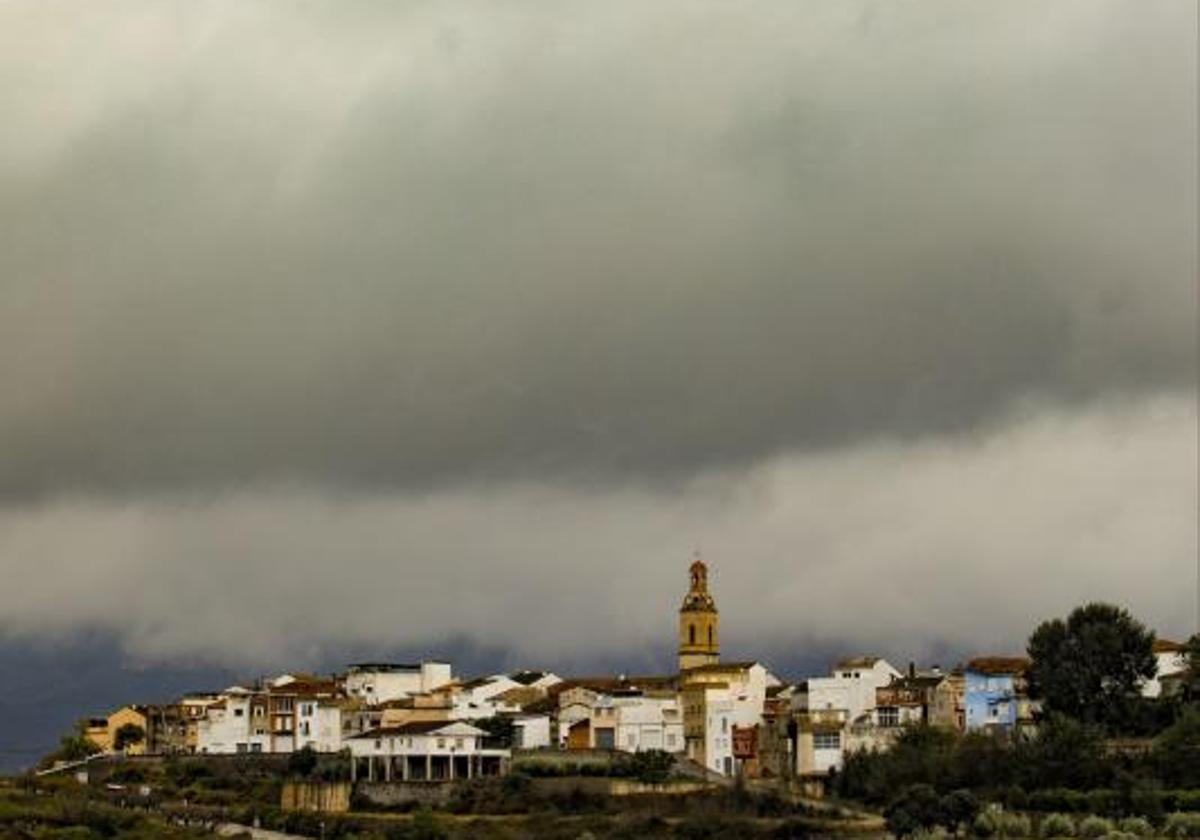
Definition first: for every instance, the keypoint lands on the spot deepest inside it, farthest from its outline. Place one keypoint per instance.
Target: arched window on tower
(710, 641)
(691, 634)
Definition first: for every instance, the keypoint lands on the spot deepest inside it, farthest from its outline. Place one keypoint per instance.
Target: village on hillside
(423, 723)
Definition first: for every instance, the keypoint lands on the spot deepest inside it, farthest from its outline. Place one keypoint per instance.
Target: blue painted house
(994, 695)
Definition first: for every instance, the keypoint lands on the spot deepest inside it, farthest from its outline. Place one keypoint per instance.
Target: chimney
(912, 669)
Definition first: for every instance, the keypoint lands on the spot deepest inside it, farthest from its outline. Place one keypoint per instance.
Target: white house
(827, 707)
(226, 727)
(425, 751)
(531, 732)
(715, 698)
(851, 686)
(645, 722)
(1170, 658)
(379, 682)
(319, 724)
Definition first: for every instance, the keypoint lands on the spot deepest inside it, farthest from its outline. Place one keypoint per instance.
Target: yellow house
(96, 731)
(125, 716)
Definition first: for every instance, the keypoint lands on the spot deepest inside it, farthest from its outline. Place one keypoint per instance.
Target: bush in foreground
(1056, 825)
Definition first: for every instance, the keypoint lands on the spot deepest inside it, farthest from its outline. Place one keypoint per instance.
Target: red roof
(1168, 646)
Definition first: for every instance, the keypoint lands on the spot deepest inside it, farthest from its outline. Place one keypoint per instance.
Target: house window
(889, 716)
(238, 712)
(827, 740)
(258, 711)
(378, 743)
(671, 740)
(724, 725)
(242, 748)
(256, 748)
(458, 742)
(441, 742)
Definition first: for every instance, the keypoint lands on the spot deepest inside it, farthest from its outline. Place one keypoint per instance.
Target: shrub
(1015, 825)
(987, 822)
(128, 774)
(957, 808)
(1057, 825)
(425, 826)
(1093, 827)
(1136, 826)
(917, 807)
(935, 833)
(1182, 826)
(651, 766)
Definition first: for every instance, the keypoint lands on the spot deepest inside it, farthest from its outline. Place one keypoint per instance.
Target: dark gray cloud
(331, 326)
(398, 248)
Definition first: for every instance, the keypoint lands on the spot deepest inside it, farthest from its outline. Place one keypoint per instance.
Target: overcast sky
(375, 323)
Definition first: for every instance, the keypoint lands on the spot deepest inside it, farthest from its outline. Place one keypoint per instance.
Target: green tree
(1177, 751)
(1091, 665)
(1191, 683)
(499, 728)
(917, 807)
(74, 748)
(957, 809)
(302, 762)
(651, 766)
(1065, 754)
(128, 735)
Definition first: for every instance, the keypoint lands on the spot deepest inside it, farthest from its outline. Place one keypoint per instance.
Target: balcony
(823, 718)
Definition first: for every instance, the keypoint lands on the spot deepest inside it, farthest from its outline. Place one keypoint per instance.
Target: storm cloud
(424, 315)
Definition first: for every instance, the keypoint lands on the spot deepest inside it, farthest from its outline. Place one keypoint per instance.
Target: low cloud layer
(905, 549)
(334, 323)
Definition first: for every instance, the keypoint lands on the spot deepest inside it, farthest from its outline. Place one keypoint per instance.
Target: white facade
(425, 751)
(531, 732)
(226, 726)
(717, 698)
(851, 686)
(828, 750)
(838, 712)
(718, 730)
(648, 723)
(319, 725)
(379, 683)
(446, 738)
(1170, 658)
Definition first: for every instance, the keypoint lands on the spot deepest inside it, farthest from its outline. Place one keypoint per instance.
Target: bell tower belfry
(698, 621)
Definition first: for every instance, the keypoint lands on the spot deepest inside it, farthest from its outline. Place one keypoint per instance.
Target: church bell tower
(698, 621)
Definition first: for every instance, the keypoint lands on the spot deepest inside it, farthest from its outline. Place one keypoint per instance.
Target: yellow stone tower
(698, 621)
